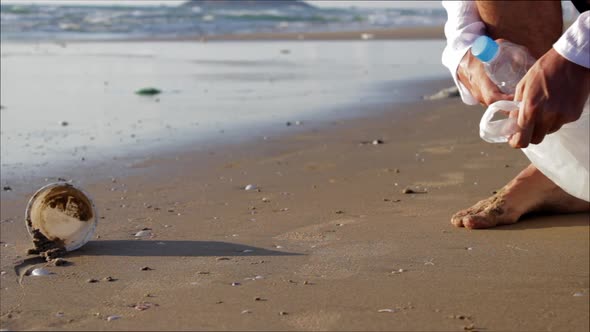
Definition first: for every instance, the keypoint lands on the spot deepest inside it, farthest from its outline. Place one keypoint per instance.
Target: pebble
(265, 199)
(144, 306)
(7, 188)
(283, 313)
(258, 299)
(578, 294)
(59, 314)
(203, 272)
(222, 259)
(386, 310)
(59, 262)
(244, 311)
(250, 187)
(91, 281)
(408, 191)
(247, 250)
(146, 268)
(109, 279)
(64, 123)
(377, 142)
(39, 272)
(112, 318)
(339, 212)
(235, 284)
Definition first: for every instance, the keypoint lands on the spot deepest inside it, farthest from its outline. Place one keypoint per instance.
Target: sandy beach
(328, 242)
(323, 242)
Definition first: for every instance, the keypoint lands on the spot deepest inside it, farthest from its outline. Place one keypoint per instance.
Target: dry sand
(318, 243)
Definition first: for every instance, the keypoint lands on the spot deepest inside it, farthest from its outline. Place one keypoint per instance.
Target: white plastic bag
(563, 156)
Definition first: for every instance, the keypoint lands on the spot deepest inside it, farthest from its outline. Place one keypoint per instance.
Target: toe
(457, 218)
(479, 221)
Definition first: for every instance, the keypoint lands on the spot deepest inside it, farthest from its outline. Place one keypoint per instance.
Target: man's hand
(553, 93)
(473, 75)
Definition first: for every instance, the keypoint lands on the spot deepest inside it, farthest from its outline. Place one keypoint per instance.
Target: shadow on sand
(538, 220)
(172, 248)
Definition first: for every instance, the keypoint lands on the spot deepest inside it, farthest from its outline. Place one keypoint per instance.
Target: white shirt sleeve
(462, 28)
(574, 44)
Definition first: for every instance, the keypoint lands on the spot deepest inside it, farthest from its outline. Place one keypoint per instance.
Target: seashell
(143, 233)
(386, 310)
(250, 187)
(112, 318)
(578, 294)
(246, 311)
(38, 272)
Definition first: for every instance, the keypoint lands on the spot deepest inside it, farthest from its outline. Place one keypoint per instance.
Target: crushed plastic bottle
(505, 63)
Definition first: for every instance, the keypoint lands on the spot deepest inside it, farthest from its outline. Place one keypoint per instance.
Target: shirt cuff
(574, 44)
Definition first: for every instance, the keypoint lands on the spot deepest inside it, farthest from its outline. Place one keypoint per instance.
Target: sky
(328, 3)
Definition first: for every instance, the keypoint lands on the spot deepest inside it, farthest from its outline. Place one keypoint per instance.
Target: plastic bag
(563, 156)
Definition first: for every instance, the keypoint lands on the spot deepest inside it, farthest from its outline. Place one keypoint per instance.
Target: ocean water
(198, 19)
(68, 105)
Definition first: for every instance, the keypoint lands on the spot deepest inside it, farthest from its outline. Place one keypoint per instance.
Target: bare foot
(529, 191)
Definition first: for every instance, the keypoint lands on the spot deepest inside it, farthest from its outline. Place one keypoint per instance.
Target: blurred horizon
(317, 3)
(84, 20)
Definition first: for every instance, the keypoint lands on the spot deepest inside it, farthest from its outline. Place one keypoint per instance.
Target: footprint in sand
(318, 233)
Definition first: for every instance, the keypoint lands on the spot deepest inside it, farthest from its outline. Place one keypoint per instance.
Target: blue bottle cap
(484, 48)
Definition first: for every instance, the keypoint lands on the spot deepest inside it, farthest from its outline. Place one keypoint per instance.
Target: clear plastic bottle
(506, 63)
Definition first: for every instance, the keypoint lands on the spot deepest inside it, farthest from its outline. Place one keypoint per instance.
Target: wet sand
(329, 242)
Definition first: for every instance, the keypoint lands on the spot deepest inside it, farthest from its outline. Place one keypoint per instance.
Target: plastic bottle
(506, 63)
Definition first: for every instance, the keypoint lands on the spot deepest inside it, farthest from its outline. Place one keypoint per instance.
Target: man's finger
(527, 115)
(492, 94)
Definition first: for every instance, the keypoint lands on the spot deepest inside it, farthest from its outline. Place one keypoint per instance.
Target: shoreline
(401, 33)
(252, 79)
(330, 215)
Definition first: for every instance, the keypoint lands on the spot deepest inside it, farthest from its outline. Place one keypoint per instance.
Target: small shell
(113, 317)
(246, 311)
(40, 272)
(386, 310)
(578, 294)
(250, 187)
(143, 233)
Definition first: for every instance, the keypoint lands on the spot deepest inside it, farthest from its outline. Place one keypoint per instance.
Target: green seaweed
(148, 92)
